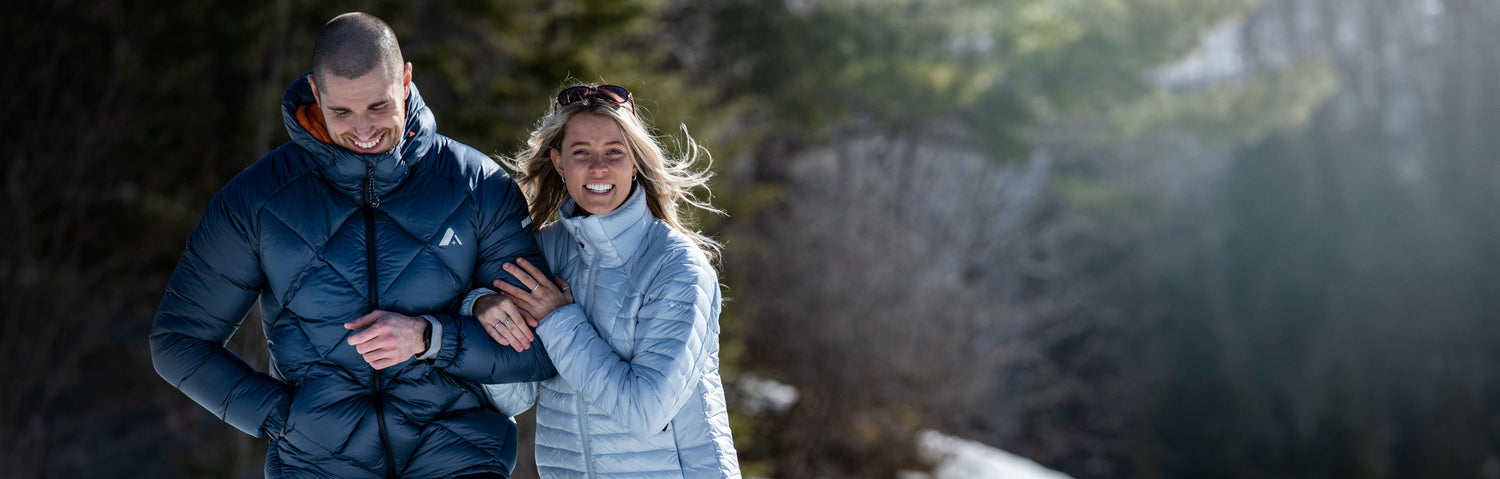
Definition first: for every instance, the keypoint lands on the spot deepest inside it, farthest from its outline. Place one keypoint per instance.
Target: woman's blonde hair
(668, 180)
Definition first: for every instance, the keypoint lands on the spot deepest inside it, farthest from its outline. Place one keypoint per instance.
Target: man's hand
(504, 322)
(387, 338)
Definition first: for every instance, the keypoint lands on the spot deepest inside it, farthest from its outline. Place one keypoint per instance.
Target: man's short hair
(354, 44)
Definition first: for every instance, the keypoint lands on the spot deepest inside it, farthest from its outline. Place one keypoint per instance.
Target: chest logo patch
(450, 239)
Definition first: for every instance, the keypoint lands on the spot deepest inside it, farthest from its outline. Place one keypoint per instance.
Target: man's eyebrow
(372, 106)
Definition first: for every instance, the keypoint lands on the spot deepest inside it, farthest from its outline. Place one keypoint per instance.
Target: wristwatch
(426, 339)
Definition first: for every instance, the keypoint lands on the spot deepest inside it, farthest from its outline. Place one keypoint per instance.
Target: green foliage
(1102, 200)
(995, 68)
(1234, 114)
(489, 68)
(895, 62)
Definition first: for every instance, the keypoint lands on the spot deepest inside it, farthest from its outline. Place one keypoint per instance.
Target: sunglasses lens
(572, 95)
(617, 94)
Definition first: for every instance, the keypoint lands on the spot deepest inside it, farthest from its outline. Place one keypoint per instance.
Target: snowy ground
(950, 457)
(956, 458)
(758, 396)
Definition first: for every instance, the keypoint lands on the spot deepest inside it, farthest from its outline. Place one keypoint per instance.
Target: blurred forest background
(1123, 238)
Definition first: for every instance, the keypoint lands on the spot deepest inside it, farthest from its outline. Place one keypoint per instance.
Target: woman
(638, 389)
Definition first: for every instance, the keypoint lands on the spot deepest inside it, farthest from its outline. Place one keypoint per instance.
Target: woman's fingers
(567, 290)
(506, 324)
(512, 326)
(538, 279)
(526, 298)
(495, 334)
(515, 322)
(537, 298)
(489, 319)
(529, 277)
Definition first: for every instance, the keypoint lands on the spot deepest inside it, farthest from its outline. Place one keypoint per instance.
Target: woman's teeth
(604, 188)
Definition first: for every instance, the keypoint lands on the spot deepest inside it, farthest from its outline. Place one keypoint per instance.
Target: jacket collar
(611, 238)
(348, 169)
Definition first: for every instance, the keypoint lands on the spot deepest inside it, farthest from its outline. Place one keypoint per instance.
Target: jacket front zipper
(369, 203)
(583, 407)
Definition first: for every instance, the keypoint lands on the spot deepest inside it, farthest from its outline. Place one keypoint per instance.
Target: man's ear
(406, 79)
(314, 84)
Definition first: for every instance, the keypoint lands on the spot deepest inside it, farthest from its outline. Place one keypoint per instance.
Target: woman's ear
(556, 161)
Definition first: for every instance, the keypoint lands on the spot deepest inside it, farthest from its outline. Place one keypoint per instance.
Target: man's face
(365, 114)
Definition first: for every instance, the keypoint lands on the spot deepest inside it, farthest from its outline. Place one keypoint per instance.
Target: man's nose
(364, 125)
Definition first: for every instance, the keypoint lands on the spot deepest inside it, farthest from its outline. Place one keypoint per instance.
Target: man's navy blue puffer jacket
(321, 236)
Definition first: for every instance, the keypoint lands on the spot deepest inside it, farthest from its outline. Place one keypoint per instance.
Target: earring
(632, 177)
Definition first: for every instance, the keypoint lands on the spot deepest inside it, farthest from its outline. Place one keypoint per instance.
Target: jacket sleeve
(468, 352)
(503, 233)
(216, 281)
(676, 323)
(514, 398)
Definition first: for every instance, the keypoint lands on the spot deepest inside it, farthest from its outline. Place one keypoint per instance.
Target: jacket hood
(612, 237)
(347, 169)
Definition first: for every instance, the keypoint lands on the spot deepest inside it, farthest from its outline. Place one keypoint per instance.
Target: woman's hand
(543, 296)
(504, 322)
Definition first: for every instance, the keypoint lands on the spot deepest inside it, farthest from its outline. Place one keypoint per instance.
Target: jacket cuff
(437, 338)
(275, 424)
(467, 309)
(557, 325)
(445, 346)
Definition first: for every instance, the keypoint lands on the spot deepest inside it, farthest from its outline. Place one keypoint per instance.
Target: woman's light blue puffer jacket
(638, 392)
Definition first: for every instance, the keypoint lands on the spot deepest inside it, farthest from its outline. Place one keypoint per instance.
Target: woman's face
(595, 163)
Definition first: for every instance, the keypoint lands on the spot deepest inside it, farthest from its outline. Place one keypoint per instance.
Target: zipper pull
(370, 186)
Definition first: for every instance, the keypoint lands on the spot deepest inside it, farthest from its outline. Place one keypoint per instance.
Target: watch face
(426, 339)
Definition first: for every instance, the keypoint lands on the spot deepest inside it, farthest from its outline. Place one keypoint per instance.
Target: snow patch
(758, 396)
(956, 458)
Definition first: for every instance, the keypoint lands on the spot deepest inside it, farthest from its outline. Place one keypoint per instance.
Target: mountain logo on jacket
(449, 239)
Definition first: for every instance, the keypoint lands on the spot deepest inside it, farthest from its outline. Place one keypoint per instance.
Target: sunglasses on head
(614, 94)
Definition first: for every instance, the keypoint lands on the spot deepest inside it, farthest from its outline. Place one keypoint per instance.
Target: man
(364, 220)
